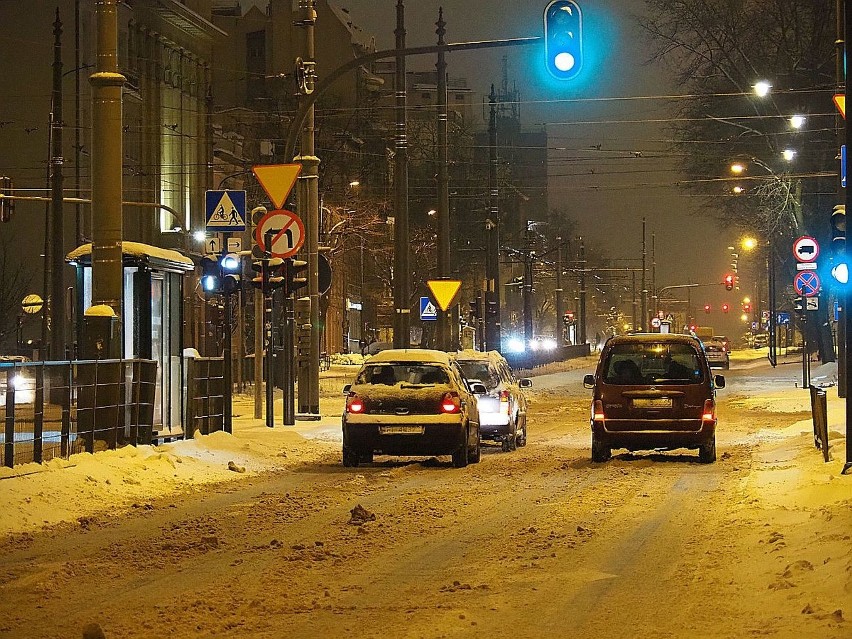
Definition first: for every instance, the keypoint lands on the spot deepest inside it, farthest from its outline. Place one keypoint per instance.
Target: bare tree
(14, 285)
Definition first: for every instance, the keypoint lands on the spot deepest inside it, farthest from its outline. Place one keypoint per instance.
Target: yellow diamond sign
(444, 292)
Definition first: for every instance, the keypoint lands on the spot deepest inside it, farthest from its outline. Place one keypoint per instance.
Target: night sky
(610, 162)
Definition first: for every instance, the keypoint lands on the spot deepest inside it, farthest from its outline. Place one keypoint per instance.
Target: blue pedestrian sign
(225, 210)
(428, 310)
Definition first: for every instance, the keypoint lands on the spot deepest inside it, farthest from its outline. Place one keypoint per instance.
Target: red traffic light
(746, 308)
(706, 308)
(729, 282)
(725, 308)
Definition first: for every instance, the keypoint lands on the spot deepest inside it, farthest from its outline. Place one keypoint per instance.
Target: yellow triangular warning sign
(277, 180)
(840, 103)
(444, 291)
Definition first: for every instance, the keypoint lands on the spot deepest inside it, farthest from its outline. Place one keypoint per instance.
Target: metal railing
(819, 414)
(54, 409)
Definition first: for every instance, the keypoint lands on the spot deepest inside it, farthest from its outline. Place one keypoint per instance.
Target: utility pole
(560, 306)
(444, 331)
(401, 264)
(55, 259)
(492, 227)
(581, 333)
(840, 75)
(309, 203)
(644, 318)
(107, 161)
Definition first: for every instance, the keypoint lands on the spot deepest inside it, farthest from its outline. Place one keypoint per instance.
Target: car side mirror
(525, 382)
(589, 381)
(347, 388)
(719, 380)
(478, 388)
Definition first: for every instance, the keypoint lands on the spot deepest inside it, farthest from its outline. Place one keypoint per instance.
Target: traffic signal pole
(846, 296)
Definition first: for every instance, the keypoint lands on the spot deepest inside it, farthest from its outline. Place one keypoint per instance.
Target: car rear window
(480, 371)
(652, 363)
(391, 374)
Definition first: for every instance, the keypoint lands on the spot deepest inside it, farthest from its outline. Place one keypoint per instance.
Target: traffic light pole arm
(309, 99)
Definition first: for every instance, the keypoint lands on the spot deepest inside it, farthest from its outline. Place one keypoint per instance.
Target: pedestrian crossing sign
(226, 210)
(428, 311)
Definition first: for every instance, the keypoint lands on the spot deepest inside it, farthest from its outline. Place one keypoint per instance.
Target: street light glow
(199, 236)
(738, 190)
(797, 121)
(762, 88)
(737, 168)
(749, 243)
(789, 154)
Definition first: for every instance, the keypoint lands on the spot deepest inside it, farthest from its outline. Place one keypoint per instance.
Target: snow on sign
(284, 231)
(225, 210)
(806, 249)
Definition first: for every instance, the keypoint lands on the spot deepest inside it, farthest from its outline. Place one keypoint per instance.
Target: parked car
(503, 407)
(653, 391)
(411, 402)
(717, 353)
(724, 340)
(760, 340)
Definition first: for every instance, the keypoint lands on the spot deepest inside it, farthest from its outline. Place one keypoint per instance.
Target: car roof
(420, 355)
(666, 338)
(470, 355)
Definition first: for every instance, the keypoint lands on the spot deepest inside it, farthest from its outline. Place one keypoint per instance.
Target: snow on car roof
(410, 355)
(469, 354)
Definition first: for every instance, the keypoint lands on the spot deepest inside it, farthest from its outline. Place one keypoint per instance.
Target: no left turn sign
(285, 232)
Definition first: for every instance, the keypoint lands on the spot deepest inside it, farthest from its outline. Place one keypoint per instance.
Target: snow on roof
(137, 249)
(469, 354)
(100, 310)
(411, 355)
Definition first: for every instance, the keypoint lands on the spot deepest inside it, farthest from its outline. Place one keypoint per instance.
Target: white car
(503, 408)
(717, 353)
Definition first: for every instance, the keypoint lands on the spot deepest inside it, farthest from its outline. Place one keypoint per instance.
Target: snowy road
(535, 543)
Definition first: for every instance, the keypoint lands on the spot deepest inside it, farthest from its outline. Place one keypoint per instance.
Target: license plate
(400, 430)
(662, 402)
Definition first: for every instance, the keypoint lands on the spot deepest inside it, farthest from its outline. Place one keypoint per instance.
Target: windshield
(652, 363)
(391, 374)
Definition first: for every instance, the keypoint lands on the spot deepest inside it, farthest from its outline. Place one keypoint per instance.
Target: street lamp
(762, 88)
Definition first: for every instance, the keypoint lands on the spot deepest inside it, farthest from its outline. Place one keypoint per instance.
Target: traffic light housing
(211, 275)
(725, 308)
(563, 39)
(231, 273)
(746, 308)
(729, 282)
(706, 308)
(7, 206)
(295, 275)
(474, 310)
(839, 258)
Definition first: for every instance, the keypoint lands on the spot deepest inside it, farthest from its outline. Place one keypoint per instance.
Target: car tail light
(450, 402)
(354, 404)
(597, 411)
(504, 402)
(709, 412)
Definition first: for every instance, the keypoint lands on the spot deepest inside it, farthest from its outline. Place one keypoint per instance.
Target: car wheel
(522, 440)
(366, 458)
(460, 456)
(707, 451)
(350, 457)
(476, 454)
(726, 365)
(600, 451)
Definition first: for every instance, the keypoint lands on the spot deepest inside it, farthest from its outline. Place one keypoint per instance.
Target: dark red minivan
(653, 391)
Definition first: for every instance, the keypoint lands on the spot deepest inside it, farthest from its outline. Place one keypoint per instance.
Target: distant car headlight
(515, 345)
(548, 344)
(19, 382)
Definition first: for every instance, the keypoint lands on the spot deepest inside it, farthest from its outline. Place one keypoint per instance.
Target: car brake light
(450, 402)
(709, 413)
(354, 404)
(597, 411)
(504, 402)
